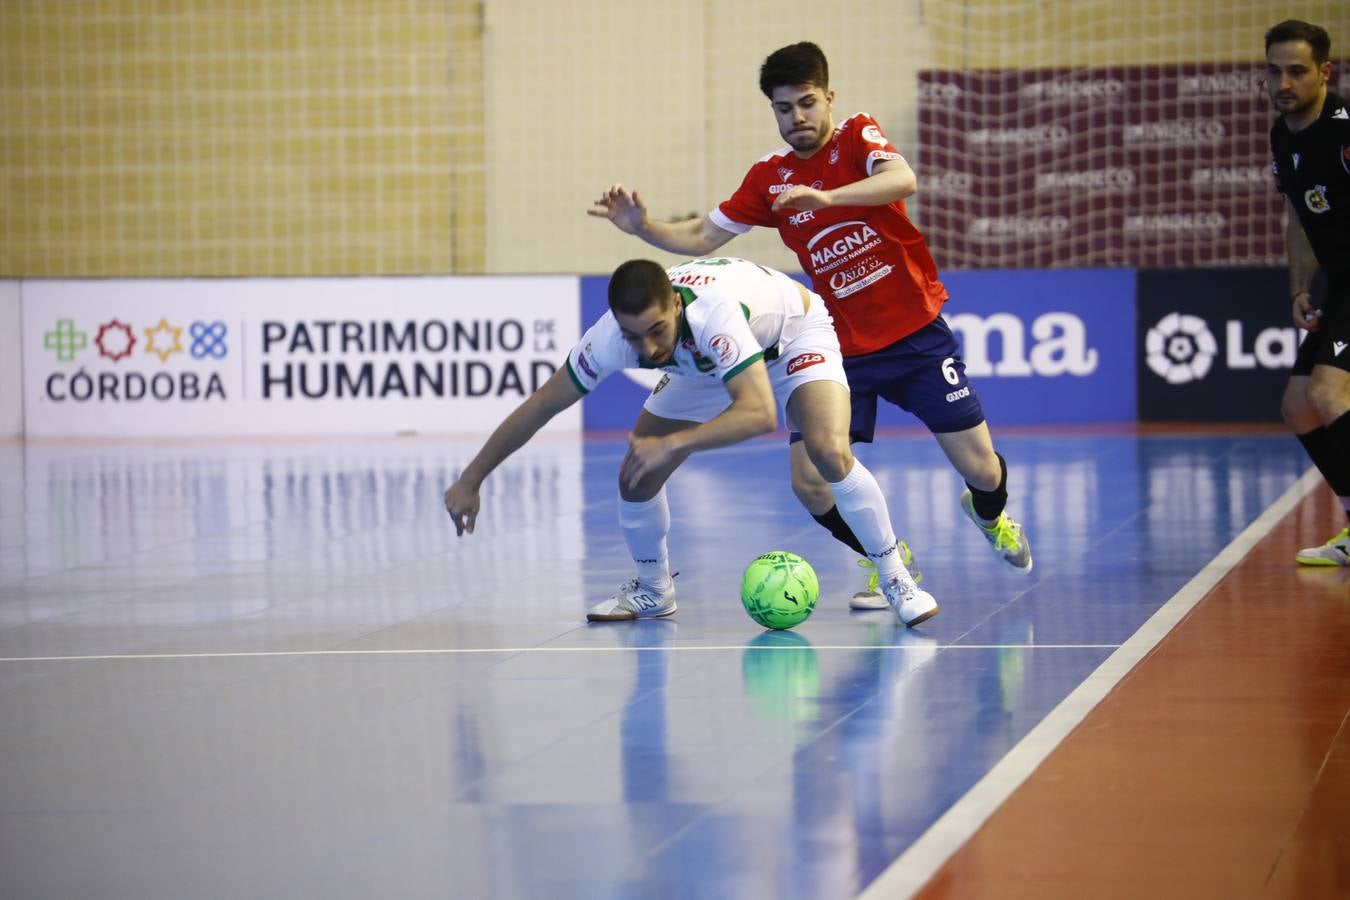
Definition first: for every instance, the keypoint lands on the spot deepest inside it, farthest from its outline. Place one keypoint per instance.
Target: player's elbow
(765, 420)
(710, 237)
(908, 185)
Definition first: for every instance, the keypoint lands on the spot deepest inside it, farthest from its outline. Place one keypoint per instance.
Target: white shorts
(812, 354)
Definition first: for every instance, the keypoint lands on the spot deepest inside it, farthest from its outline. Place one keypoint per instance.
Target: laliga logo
(1180, 348)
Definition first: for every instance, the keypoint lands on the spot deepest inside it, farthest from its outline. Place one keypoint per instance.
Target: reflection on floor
(265, 669)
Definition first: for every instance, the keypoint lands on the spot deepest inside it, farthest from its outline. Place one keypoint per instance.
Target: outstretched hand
(622, 207)
(461, 502)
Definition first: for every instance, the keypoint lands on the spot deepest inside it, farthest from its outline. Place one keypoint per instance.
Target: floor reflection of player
(643, 735)
(847, 714)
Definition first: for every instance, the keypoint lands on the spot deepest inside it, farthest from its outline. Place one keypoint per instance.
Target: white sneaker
(1335, 552)
(634, 600)
(910, 604)
(872, 598)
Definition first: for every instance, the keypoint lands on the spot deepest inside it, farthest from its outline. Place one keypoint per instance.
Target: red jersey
(869, 263)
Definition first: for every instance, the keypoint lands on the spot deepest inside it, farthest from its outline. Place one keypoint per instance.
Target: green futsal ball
(779, 589)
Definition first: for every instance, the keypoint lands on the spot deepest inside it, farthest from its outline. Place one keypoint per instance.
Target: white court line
(918, 864)
(451, 651)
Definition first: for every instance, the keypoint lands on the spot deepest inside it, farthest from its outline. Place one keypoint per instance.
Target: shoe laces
(905, 587)
(872, 574)
(634, 585)
(1007, 533)
(906, 559)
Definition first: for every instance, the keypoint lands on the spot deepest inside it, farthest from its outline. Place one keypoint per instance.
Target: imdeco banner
(1162, 166)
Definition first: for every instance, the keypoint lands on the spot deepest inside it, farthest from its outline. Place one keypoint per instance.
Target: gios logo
(804, 361)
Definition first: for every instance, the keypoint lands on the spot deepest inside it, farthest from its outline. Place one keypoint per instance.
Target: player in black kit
(1310, 144)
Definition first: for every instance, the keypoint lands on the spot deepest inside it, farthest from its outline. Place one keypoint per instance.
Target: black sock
(989, 504)
(835, 525)
(1329, 449)
(1339, 443)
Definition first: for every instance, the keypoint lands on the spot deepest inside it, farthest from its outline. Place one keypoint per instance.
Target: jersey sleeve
(746, 208)
(600, 352)
(727, 340)
(868, 144)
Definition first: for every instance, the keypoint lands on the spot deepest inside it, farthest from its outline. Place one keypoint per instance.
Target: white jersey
(735, 312)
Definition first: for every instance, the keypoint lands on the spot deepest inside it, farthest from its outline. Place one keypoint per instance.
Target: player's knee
(1297, 413)
(644, 490)
(832, 458)
(1296, 407)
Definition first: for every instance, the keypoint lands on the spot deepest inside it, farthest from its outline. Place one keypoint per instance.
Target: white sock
(645, 526)
(863, 507)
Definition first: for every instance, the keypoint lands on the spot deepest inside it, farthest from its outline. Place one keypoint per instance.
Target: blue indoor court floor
(270, 669)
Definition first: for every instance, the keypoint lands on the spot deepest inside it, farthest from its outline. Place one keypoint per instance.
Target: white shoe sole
(627, 615)
(919, 617)
(923, 617)
(868, 601)
(1318, 561)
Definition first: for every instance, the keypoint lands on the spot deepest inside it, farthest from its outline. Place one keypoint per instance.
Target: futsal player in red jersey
(836, 196)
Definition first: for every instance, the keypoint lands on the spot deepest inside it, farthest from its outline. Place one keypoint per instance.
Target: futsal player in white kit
(738, 343)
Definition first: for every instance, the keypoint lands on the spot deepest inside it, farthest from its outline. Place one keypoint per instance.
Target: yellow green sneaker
(1335, 552)
(1005, 536)
(872, 598)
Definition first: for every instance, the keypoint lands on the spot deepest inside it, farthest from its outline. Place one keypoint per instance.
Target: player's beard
(804, 141)
(1293, 105)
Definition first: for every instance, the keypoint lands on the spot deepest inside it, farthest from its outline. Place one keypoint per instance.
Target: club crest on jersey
(724, 347)
(834, 155)
(784, 174)
(1316, 198)
(1295, 158)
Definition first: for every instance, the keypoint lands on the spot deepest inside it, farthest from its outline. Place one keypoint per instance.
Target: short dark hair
(638, 285)
(1314, 36)
(800, 63)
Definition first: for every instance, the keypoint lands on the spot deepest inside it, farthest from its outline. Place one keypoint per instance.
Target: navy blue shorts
(922, 374)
